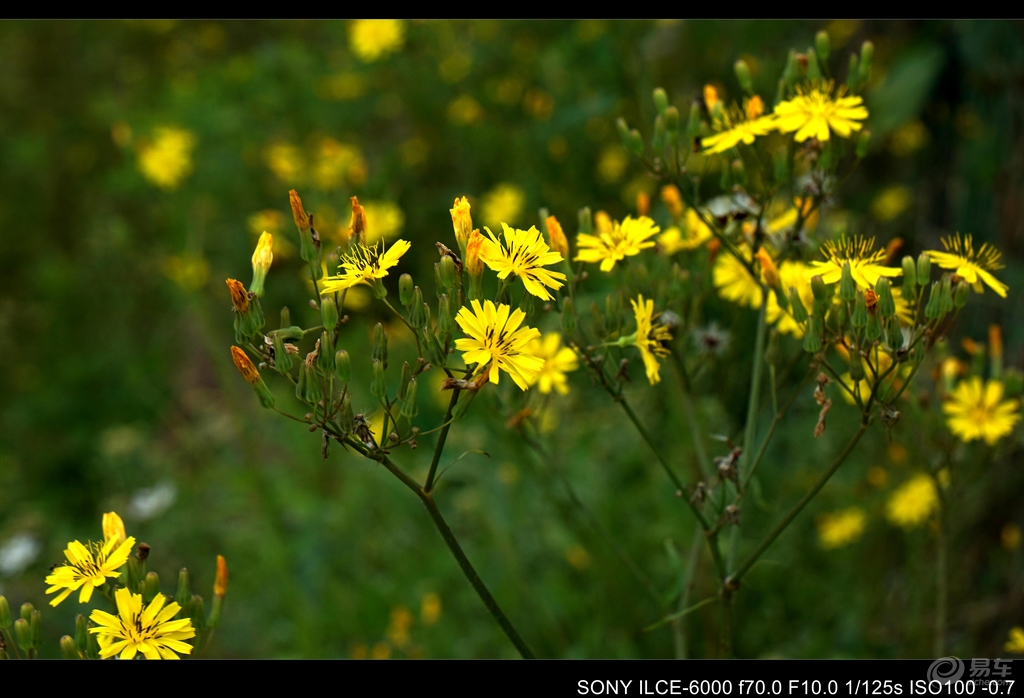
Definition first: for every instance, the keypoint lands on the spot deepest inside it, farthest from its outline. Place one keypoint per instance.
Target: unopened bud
(36, 624)
(693, 124)
(623, 128)
(672, 122)
(856, 366)
(329, 312)
(81, 632)
(220, 582)
(23, 634)
(886, 302)
(813, 70)
(405, 286)
(262, 258)
(863, 141)
(252, 376)
(873, 331)
(307, 248)
(847, 287)
(924, 269)
(462, 222)
(636, 142)
(325, 353)
(585, 220)
(867, 54)
(380, 345)
(282, 359)
(357, 223)
(894, 335)
(343, 365)
(812, 339)
(5, 613)
(660, 136)
(932, 308)
(68, 650)
(447, 265)
(853, 73)
(792, 72)
(909, 288)
(822, 43)
(660, 100)
(26, 610)
(445, 320)
(113, 527)
(150, 586)
(403, 383)
(743, 76)
(799, 310)
(417, 317)
(409, 405)
(946, 295)
(378, 384)
(818, 288)
(859, 318)
(556, 235)
(184, 593)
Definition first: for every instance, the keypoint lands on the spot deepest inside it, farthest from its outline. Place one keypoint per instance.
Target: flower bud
(859, 318)
(474, 266)
(660, 100)
(23, 634)
(5, 613)
(245, 366)
(220, 582)
(813, 70)
(36, 625)
(380, 345)
(867, 54)
(796, 303)
(300, 384)
(792, 71)
(743, 76)
(445, 321)
(568, 316)
(932, 309)
(812, 339)
(357, 223)
(894, 335)
(184, 593)
(67, 648)
(405, 287)
(150, 586)
(113, 527)
(447, 265)
(874, 329)
(886, 303)
(325, 353)
(313, 392)
(462, 222)
(818, 289)
(345, 420)
(672, 122)
(623, 128)
(409, 405)
(378, 385)
(26, 611)
(81, 632)
(909, 278)
(435, 352)
(282, 359)
(585, 220)
(660, 136)
(924, 269)
(856, 366)
(841, 315)
(853, 73)
(946, 295)
(262, 258)
(307, 248)
(343, 366)
(559, 243)
(329, 312)
(960, 294)
(847, 287)
(769, 272)
(863, 141)
(526, 304)
(693, 124)
(822, 43)
(636, 142)
(403, 383)
(462, 406)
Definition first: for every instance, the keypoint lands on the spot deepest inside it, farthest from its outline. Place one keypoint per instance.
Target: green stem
(941, 588)
(771, 431)
(11, 643)
(735, 577)
(690, 412)
(429, 486)
(750, 430)
(473, 577)
(689, 577)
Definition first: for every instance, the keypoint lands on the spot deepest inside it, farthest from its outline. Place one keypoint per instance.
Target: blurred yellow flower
(558, 361)
(615, 242)
(465, 110)
(152, 631)
(430, 608)
(737, 127)
(891, 202)
(398, 628)
(690, 236)
(166, 160)
(578, 557)
(286, 162)
(1015, 641)
(372, 39)
(841, 528)
(913, 503)
(381, 650)
(612, 163)
(973, 266)
(1010, 536)
(734, 283)
(269, 220)
(815, 113)
(978, 411)
(335, 162)
(908, 139)
(188, 271)
(504, 203)
(866, 263)
(384, 220)
(347, 85)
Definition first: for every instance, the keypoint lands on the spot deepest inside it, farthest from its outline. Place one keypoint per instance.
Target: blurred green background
(141, 159)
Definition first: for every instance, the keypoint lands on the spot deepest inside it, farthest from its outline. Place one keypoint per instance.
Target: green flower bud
(874, 329)
(26, 611)
(416, 317)
(438, 284)
(403, 383)
(526, 304)
(812, 339)
(307, 248)
(867, 54)
(853, 73)
(568, 316)
(345, 419)
(946, 295)
(380, 345)
(314, 393)
(447, 272)
(799, 311)
(792, 72)
(81, 632)
(329, 312)
(445, 321)
(405, 287)
(333, 259)
(184, 593)
(67, 648)
(693, 125)
(623, 128)
(36, 625)
(863, 141)
(818, 288)
(813, 69)
(856, 366)
(196, 611)
(462, 406)
(150, 586)
(435, 352)
(660, 100)
(823, 44)
(932, 309)
(660, 137)
(585, 220)
(909, 287)
(300, 384)
(743, 76)
(960, 294)
(672, 122)
(282, 359)
(286, 317)
(92, 649)
(859, 318)
(5, 613)
(636, 142)
(894, 336)
(315, 270)
(325, 357)
(343, 365)
(842, 316)
(847, 288)
(379, 385)
(410, 408)
(780, 91)
(379, 292)
(886, 303)
(23, 634)
(924, 269)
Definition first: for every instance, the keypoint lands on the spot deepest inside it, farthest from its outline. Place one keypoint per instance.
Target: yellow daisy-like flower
(558, 361)
(650, 337)
(622, 240)
(738, 126)
(167, 160)
(841, 528)
(735, 284)
(524, 254)
(913, 503)
(816, 113)
(496, 341)
(689, 237)
(976, 411)
(89, 567)
(1015, 641)
(973, 266)
(863, 258)
(365, 265)
(151, 631)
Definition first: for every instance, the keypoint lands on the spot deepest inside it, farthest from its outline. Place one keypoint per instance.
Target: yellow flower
(167, 160)
(864, 262)
(133, 630)
(650, 337)
(384, 220)
(973, 267)
(113, 527)
(262, 258)
(913, 503)
(673, 199)
(841, 528)
(815, 113)
(558, 361)
(89, 567)
(462, 222)
(496, 340)
(620, 241)
(503, 203)
(974, 411)
(430, 608)
(691, 236)
(524, 254)
(737, 126)
(365, 265)
(734, 283)
(371, 39)
(1015, 641)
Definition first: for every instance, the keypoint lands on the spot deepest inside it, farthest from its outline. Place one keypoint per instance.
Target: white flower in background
(150, 502)
(18, 552)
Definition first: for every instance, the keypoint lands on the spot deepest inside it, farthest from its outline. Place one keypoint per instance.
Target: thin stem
(941, 587)
(750, 430)
(689, 577)
(429, 486)
(473, 577)
(736, 576)
(690, 412)
(11, 643)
